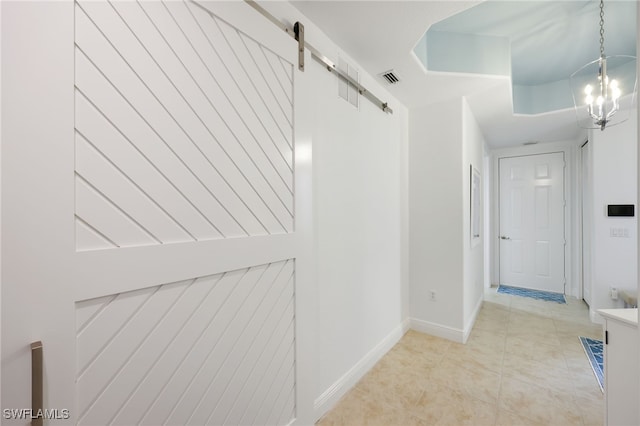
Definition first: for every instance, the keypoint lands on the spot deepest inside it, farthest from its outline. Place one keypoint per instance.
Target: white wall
(360, 220)
(436, 218)
(614, 176)
(357, 183)
(473, 145)
(445, 139)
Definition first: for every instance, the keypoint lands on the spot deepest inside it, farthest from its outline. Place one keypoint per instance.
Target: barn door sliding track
(297, 32)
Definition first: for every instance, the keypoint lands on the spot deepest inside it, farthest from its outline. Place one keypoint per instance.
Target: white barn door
(148, 212)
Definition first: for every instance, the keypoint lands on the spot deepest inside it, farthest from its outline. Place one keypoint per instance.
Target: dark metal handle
(502, 237)
(36, 384)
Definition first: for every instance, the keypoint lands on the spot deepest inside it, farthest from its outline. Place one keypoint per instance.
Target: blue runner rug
(533, 294)
(593, 349)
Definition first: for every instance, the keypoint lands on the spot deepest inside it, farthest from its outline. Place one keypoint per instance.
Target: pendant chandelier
(596, 94)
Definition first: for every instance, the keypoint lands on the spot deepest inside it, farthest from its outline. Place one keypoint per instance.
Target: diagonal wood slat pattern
(184, 128)
(213, 350)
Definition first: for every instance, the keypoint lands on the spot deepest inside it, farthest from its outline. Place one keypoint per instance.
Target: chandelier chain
(602, 28)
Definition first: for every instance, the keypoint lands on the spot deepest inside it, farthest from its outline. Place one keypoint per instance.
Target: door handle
(502, 237)
(36, 383)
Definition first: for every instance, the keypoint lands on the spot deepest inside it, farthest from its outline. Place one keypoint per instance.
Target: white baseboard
(332, 395)
(446, 332)
(469, 326)
(449, 333)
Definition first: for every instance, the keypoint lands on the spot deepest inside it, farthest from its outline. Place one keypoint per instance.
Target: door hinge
(606, 337)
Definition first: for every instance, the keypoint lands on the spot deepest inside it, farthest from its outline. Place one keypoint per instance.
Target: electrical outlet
(433, 295)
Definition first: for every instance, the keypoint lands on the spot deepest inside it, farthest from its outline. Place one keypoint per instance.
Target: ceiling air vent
(390, 76)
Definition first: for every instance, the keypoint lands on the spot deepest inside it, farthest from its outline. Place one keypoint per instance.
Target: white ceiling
(549, 40)
(380, 35)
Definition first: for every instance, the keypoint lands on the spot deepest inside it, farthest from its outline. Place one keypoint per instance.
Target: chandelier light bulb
(589, 100)
(600, 100)
(615, 94)
(588, 90)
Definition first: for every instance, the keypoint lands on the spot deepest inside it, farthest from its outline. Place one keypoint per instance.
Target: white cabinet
(621, 366)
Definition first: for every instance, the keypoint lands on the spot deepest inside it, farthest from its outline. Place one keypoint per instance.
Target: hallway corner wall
(436, 211)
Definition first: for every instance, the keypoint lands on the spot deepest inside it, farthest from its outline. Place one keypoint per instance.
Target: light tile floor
(522, 365)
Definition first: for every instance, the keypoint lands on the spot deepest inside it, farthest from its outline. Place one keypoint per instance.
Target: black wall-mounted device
(620, 210)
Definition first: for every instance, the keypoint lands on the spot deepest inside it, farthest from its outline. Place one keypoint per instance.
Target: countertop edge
(627, 315)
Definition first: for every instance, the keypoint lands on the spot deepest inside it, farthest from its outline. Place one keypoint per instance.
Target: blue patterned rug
(533, 294)
(593, 349)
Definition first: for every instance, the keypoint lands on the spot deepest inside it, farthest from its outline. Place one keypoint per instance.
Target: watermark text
(28, 413)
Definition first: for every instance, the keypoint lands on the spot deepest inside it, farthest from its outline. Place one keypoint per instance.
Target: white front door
(532, 222)
(148, 212)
